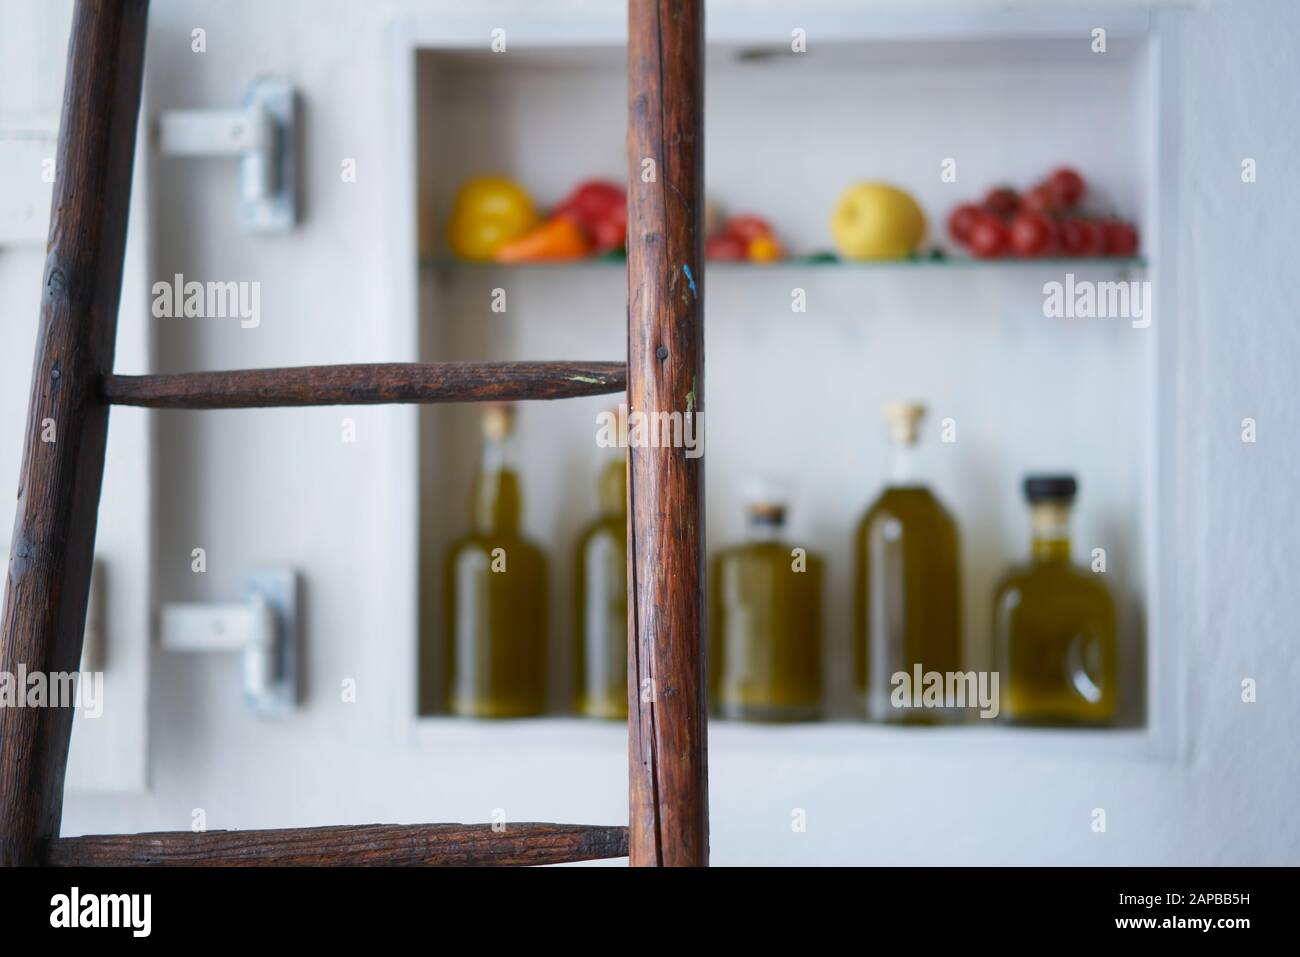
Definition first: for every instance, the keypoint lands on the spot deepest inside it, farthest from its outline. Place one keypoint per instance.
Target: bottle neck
(764, 529)
(902, 472)
(611, 489)
(496, 505)
(1050, 523)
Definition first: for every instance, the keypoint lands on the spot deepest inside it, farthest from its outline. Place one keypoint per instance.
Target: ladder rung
(368, 384)
(367, 844)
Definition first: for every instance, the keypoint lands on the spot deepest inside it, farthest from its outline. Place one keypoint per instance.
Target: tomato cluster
(744, 238)
(1044, 221)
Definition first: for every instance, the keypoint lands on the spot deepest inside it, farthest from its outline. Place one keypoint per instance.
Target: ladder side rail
(59, 486)
(667, 715)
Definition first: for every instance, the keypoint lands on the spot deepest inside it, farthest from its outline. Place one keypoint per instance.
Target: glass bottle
(496, 593)
(602, 600)
(908, 592)
(766, 624)
(1054, 637)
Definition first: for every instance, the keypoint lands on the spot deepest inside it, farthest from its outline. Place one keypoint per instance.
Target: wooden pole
(67, 420)
(667, 715)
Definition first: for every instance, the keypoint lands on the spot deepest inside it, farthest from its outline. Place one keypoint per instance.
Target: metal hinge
(263, 627)
(262, 134)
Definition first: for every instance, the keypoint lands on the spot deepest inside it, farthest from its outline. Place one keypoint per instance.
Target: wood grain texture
(407, 845)
(667, 735)
(58, 489)
(369, 384)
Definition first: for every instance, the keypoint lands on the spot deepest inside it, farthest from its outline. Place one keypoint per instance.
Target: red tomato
(1120, 238)
(1067, 187)
(746, 228)
(1082, 237)
(962, 220)
(725, 248)
(600, 208)
(1002, 202)
(988, 237)
(1039, 199)
(1031, 234)
(607, 234)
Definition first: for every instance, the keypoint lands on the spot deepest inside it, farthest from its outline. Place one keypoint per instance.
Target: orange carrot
(558, 238)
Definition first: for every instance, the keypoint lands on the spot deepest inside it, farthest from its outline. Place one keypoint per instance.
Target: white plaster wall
(254, 487)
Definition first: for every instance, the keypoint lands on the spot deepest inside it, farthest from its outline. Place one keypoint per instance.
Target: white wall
(255, 487)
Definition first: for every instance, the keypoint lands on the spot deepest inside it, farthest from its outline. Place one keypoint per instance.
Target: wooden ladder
(73, 384)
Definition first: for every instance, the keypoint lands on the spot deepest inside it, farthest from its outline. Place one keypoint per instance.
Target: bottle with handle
(1054, 634)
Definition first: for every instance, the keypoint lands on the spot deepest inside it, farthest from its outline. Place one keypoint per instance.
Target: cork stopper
(498, 420)
(904, 420)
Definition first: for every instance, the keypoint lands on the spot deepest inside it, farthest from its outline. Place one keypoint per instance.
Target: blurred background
(1178, 115)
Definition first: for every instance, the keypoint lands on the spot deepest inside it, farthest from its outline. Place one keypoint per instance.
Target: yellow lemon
(489, 211)
(876, 221)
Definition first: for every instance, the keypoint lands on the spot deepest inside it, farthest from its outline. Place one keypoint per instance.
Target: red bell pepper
(600, 208)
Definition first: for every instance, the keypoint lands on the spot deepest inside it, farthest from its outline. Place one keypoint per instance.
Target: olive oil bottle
(766, 624)
(907, 588)
(496, 593)
(1054, 623)
(602, 600)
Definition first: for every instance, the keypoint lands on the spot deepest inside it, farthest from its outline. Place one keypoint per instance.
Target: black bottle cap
(1051, 488)
(767, 513)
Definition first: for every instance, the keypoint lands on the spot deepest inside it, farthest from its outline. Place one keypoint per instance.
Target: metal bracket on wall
(263, 134)
(264, 627)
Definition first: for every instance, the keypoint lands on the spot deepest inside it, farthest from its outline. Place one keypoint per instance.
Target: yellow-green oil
(907, 598)
(1054, 635)
(496, 602)
(601, 607)
(766, 630)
